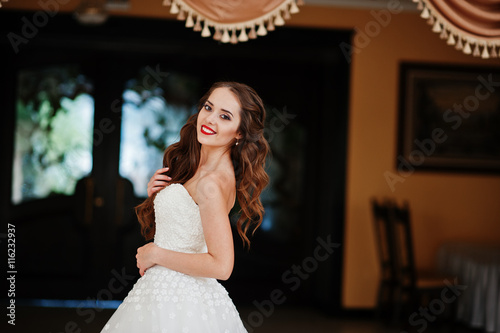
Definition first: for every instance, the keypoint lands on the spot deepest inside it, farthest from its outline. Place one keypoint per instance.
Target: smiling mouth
(207, 130)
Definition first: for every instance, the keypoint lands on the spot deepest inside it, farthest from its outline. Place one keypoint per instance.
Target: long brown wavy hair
(249, 156)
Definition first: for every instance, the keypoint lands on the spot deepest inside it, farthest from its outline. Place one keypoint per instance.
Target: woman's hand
(158, 181)
(145, 257)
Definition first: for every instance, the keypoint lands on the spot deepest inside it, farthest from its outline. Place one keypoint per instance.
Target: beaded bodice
(178, 221)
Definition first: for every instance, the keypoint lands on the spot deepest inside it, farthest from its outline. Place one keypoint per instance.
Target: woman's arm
(158, 181)
(212, 196)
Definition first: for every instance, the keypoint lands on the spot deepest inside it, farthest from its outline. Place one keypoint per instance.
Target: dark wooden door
(64, 220)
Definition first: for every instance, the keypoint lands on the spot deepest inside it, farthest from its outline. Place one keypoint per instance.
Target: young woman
(220, 158)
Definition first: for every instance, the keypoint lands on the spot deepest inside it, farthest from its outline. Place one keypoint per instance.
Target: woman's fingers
(161, 177)
(158, 181)
(156, 189)
(162, 170)
(156, 186)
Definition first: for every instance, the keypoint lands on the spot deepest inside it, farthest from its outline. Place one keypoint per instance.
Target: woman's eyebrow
(224, 110)
(228, 112)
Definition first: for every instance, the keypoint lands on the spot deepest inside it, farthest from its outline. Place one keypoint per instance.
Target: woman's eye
(207, 107)
(226, 117)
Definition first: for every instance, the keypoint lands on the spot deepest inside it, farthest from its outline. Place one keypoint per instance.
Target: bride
(219, 159)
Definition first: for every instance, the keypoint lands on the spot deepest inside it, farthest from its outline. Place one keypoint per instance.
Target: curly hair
(248, 157)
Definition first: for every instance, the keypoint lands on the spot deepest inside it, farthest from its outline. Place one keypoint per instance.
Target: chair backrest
(385, 239)
(403, 240)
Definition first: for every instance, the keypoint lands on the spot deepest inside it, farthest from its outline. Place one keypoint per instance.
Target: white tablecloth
(477, 267)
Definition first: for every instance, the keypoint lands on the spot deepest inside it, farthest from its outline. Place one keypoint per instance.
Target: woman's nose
(211, 118)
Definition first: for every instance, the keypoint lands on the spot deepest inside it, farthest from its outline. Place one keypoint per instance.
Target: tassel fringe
(468, 44)
(237, 32)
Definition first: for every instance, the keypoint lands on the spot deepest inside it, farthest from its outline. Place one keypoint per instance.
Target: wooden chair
(415, 289)
(386, 305)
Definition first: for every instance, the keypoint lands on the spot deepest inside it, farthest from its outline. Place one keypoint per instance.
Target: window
(153, 113)
(53, 133)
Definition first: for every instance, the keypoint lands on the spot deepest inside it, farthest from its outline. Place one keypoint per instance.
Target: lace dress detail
(164, 300)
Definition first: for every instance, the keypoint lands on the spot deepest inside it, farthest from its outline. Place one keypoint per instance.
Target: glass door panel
(152, 117)
(53, 133)
(52, 156)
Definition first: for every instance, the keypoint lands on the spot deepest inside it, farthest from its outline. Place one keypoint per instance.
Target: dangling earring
(236, 142)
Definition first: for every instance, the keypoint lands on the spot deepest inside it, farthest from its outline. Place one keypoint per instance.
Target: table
(476, 266)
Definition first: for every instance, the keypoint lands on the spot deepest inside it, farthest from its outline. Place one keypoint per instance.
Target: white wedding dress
(164, 300)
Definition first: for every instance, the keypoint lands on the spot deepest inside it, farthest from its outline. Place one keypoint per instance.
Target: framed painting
(449, 118)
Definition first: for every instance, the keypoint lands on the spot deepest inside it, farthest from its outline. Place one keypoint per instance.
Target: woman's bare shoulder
(216, 185)
(223, 180)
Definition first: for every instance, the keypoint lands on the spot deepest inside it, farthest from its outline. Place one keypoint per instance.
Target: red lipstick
(207, 130)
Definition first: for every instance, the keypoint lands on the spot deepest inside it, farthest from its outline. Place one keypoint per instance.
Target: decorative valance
(233, 20)
(472, 26)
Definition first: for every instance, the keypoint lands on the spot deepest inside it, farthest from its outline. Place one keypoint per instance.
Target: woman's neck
(211, 158)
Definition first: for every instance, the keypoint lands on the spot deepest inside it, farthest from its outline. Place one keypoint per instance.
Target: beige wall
(444, 206)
